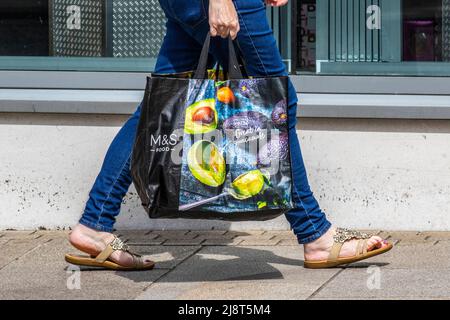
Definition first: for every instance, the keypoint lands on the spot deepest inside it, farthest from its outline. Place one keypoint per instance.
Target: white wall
(378, 174)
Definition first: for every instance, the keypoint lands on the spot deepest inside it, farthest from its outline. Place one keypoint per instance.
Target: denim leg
(113, 181)
(262, 58)
(307, 220)
(178, 53)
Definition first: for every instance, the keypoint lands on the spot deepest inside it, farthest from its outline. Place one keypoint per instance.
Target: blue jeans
(187, 27)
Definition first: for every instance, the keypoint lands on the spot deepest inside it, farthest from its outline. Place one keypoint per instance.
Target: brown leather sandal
(343, 235)
(102, 260)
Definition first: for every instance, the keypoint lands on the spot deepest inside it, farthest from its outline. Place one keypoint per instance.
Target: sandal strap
(364, 246)
(138, 261)
(115, 245)
(105, 254)
(343, 235)
(361, 248)
(335, 251)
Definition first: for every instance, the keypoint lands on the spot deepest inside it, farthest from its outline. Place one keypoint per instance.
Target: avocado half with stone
(201, 117)
(249, 184)
(206, 163)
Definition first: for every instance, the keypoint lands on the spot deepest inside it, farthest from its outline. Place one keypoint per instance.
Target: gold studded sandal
(343, 235)
(102, 260)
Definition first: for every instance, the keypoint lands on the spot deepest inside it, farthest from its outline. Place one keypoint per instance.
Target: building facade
(372, 76)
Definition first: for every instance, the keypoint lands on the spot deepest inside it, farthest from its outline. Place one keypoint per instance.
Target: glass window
(102, 35)
(374, 37)
(69, 34)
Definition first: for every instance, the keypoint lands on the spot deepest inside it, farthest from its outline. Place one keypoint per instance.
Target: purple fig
(279, 113)
(248, 87)
(271, 150)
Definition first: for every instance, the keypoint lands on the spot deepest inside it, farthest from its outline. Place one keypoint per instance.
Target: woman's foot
(93, 242)
(320, 249)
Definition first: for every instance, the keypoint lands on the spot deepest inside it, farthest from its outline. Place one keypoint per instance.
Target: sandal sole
(86, 261)
(325, 264)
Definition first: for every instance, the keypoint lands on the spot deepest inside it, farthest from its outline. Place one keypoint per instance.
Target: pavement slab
(222, 242)
(423, 256)
(166, 257)
(382, 283)
(220, 264)
(19, 235)
(403, 236)
(437, 235)
(13, 249)
(43, 274)
(240, 273)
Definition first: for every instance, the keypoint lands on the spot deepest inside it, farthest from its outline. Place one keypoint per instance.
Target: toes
(377, 238)
(148, 261)
(374, 243)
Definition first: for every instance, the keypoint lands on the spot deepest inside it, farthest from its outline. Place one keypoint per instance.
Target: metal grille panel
(86, 39)
(446, 30)
(138, 28)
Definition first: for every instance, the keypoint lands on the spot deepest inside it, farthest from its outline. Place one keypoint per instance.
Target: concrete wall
(388, 174)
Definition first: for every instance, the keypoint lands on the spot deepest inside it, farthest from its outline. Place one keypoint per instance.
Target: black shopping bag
(213, 149)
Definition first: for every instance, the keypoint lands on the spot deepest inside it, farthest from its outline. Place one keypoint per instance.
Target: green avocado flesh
(192, 125)
(249, 184)
(206, 163)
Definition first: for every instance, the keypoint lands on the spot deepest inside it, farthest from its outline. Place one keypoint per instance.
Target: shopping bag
(213, 148)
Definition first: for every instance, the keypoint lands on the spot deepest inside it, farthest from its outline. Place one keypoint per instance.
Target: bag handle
(234, 70)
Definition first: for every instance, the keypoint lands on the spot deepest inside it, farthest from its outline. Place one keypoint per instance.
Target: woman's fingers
(234, 30)
(277, 3)
(223, 18)
(213, 31)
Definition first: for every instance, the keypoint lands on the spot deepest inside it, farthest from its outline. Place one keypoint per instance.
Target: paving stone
(288, 242)
(255, 238)
(425, 256)
(174, 234)
(137, 234)
(240, 273)
(282, 235)
(19, 235)
(437, 235)
(166, 257)
(221, 242)
(140, 237)
(43, 274)
(244, 233)
(259, 242)
(208, 233)
(382, 283)
(212, 234)
(184, 242)
(248, 290)
(408, 236)
(15, 248)
(50, 235)
(32, 267)
(145, 242)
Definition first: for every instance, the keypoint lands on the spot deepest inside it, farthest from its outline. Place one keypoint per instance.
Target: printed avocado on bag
(213, 147)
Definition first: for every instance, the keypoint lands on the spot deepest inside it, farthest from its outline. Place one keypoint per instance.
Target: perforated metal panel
(77, 27)
(138, 28)
(446, 30)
